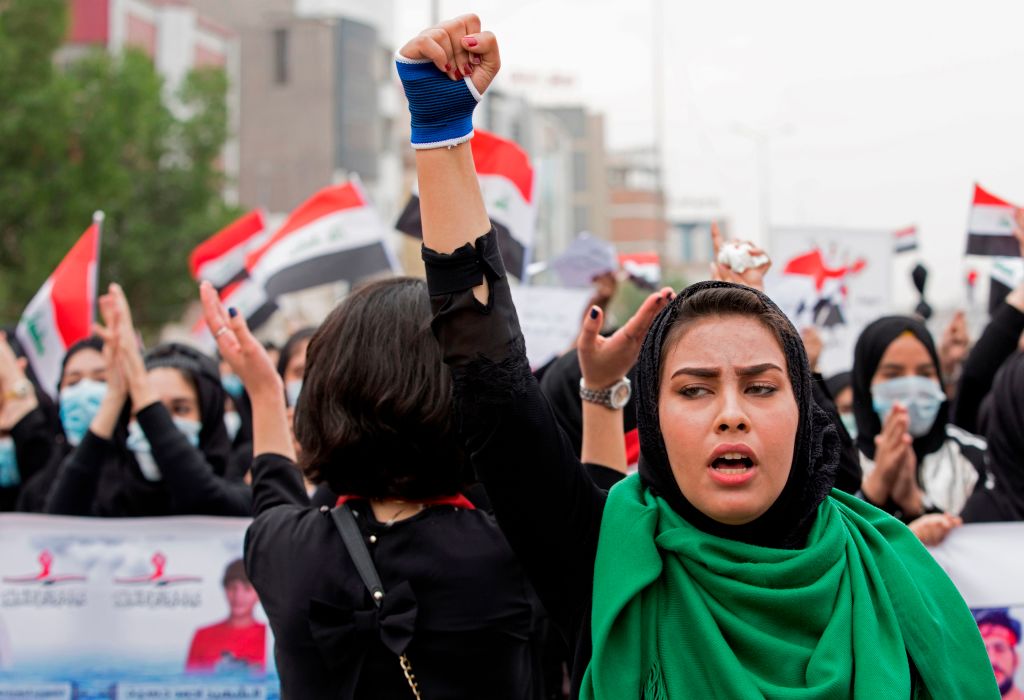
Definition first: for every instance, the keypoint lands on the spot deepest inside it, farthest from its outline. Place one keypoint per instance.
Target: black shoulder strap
(353, 539)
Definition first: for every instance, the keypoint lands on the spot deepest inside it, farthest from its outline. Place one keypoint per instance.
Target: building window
(280, 56)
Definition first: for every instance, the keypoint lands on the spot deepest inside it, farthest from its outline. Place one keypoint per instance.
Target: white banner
(130, 608)
(550, 318)
(837, 280)
(986, 562)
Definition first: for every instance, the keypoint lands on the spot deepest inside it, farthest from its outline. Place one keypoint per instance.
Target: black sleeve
(997, 342)
(850, 473)
(194, 488)
(604, 477)
(547, 505)
(74, 490)
(35, 443)
(276, 481)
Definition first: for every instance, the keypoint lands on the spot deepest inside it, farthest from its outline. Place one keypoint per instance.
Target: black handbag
(353, 539)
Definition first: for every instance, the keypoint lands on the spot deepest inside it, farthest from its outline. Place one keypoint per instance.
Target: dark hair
(235, 571)
(374, 418)
(291, 346)
(727, 301)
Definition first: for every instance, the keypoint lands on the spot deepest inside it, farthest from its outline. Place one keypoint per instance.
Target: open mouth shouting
(732, 464)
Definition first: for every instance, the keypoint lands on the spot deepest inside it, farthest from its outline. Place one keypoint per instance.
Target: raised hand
(954, 346)
(604, 361)
(21, 396)
(237, 345)
(458, 48)
(813, 345)
(752, 277)
(129, 353)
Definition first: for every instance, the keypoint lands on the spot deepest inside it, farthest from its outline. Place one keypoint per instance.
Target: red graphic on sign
(813, 265)
(158, 577)
(45, 577)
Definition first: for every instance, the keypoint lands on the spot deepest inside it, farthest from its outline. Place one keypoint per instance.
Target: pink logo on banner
(45, 576)
(157, 577)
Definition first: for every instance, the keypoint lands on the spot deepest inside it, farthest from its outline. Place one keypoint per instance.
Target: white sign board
(834, 279)
(550, 318)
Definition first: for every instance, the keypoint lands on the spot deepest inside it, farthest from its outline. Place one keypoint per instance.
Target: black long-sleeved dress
(997, 342)
(473, 632)
(514, 441)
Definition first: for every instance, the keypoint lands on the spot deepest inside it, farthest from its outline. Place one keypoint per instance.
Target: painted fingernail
(668, 295)
(447, 66)
(593, 312)
(466, 70)
(475, 60)
(470, 41)
(232, 312)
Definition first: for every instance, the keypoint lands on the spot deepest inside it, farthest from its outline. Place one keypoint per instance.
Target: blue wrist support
(441, 108)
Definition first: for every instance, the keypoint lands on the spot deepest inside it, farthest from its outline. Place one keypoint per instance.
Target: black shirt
(514, 441)
(474, 620)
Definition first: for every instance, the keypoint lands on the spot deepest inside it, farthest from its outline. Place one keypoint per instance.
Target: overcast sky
(881, 114)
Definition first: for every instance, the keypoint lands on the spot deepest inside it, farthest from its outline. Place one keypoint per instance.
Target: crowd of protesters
(756, 552)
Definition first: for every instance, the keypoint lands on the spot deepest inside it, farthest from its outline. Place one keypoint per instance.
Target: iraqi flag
(644, 269)
(335, 235)
(905, 239)
(506, 182)
(63, 310)
(990, 226)
(220, 259)
(251, 301)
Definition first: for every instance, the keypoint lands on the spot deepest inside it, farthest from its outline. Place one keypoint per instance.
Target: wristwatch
(21, 389)
(616, 396)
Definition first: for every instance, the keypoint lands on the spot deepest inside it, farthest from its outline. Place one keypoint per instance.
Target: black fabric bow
(341, 632)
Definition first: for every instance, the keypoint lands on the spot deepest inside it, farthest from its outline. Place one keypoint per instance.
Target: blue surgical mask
(292, 389)
(79, 404)
(138, 444)
(850, 423)
(9, 474)
(922, 397)
(233, 423)
(232, 384)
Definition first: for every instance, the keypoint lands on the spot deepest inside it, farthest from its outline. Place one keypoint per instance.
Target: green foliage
(99, 134)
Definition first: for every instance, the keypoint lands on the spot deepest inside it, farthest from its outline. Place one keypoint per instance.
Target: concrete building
(314, 100)
(636, 202)
(174, 33)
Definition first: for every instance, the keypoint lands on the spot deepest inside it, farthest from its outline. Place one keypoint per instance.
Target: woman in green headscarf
(727, 568)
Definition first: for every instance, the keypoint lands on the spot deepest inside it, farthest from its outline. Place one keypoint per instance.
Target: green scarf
(681, 614)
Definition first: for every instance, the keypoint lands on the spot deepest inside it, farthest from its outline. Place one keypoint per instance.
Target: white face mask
(138, 444)
(293, 389)
(233, 423)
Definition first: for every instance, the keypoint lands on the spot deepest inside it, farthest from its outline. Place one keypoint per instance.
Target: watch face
(620, 395)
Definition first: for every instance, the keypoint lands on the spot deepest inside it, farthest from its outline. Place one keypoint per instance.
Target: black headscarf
(867, 355)
(837, 382)
(815, 455)
(204, 374)
(1005, 434)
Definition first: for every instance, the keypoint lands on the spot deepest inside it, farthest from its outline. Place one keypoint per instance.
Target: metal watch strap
(598, 396)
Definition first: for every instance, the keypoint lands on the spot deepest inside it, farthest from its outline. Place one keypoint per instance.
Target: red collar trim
(458, 500)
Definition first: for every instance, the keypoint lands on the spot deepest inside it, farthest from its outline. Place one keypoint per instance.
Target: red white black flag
(220, 259)
(990, 226)
(335, 235)
(506, 182)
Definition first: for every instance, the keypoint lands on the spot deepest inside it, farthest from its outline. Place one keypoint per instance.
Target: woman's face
(84, 364)
(296, 366)
(905, 357)
(176, 393)
(728, 417)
